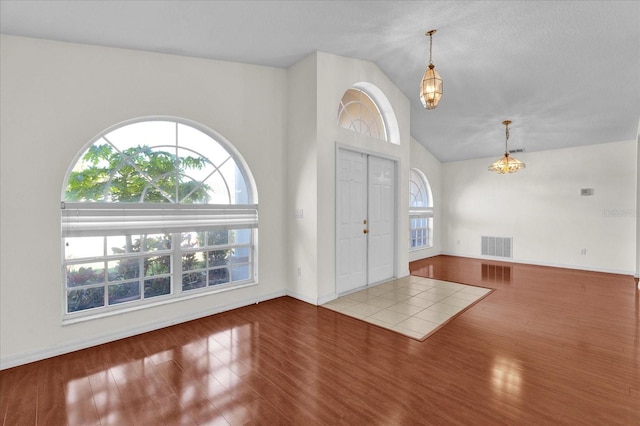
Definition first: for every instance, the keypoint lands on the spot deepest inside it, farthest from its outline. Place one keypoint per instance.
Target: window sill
(420, 248)
(72, 319)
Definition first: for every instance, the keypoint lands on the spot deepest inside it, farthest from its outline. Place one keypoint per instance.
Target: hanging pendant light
(431, 86)
(506, 164)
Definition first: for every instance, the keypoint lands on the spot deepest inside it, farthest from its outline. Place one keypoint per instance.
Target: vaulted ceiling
(567, 73)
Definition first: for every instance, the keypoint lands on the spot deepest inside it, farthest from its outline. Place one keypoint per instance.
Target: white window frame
(103, 219)
(356, 123)
(420, 210)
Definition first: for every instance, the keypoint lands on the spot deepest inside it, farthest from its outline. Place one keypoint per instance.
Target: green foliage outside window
(138, 174)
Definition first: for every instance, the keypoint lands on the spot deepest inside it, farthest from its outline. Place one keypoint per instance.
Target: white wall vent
(496, 246)
(586, 192)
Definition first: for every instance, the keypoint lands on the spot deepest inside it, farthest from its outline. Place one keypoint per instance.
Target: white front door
(381, 219)
(365, 220)
(351, 206)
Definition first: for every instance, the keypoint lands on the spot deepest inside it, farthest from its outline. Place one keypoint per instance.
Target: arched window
(359, 113)
(156, 209)
(420, 211)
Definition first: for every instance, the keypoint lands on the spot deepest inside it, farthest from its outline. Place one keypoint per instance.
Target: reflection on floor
(413, 306)
(496, 273)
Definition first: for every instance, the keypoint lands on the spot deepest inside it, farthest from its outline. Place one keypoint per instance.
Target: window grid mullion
(176, 264)
(176, 170)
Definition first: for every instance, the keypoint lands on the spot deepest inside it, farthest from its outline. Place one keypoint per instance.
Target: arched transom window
(358, 112)
(156, 209)
(420, 211)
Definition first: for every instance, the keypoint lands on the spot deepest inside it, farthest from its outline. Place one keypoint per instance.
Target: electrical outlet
(583, 251)
(299, 272)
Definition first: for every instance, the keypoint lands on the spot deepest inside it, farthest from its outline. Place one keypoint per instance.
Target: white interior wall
(302, 207)
(55, 98)
(542, 209)
(424, 161)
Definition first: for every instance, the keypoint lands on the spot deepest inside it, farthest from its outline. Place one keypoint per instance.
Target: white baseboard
(27, 357)
(328, 298)
(549, 264)
(310, 300)
(415, 255)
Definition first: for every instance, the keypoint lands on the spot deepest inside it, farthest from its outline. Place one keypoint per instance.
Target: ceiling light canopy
(506, 164)
(431, 86)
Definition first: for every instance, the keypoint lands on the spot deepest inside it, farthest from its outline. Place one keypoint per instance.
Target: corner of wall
(638, 206)
(301, 163)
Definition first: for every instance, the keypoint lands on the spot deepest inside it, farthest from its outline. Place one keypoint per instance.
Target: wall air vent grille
(497, 246)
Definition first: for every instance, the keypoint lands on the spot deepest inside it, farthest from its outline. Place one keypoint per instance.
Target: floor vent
(497, 246)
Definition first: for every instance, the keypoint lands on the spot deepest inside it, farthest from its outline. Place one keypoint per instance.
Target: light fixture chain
(506, 141)
(430, 47)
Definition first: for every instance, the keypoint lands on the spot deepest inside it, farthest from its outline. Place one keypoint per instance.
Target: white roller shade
(96, 219)
(420, 211)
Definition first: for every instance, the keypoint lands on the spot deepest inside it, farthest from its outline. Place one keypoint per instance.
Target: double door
(365, 220)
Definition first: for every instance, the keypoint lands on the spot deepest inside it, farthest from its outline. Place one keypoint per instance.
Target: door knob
(364, 231)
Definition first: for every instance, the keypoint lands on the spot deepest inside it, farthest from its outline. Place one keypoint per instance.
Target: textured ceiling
(567, 73)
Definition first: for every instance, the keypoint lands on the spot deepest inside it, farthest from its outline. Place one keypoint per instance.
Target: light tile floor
(413, 306)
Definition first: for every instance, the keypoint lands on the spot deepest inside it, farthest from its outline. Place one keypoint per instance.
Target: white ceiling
(567, 73)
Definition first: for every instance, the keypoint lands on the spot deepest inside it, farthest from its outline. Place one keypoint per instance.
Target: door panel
(352, 211)
(381, 219)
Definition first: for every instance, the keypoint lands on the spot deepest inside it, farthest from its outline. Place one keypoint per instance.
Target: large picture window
(156, 209)
(420, 211)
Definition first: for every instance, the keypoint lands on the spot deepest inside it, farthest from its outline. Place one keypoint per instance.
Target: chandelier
(431, 86)
(506, 164)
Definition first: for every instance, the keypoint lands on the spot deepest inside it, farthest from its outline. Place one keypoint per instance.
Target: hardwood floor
(549, 346)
